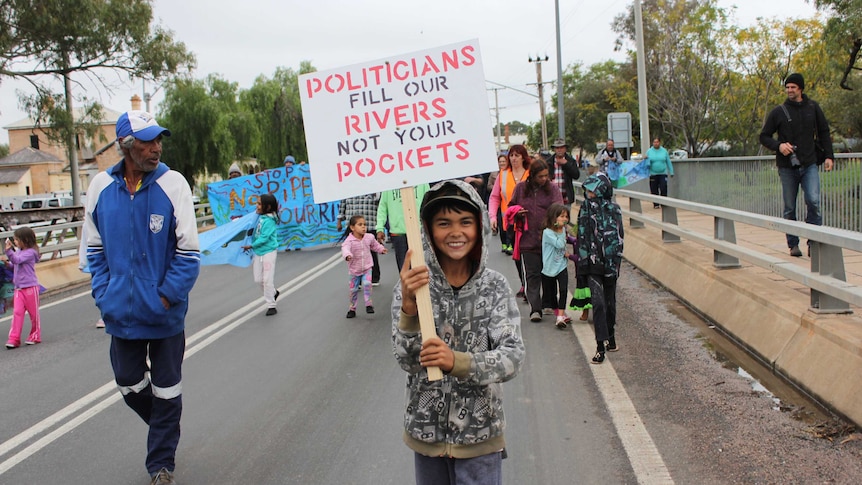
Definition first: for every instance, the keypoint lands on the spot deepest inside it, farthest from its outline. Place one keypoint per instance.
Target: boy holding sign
(455, 425)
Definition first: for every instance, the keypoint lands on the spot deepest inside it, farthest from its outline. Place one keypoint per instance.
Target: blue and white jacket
(140, 248)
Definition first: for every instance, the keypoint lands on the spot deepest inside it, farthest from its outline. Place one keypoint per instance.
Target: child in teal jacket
(265, 246)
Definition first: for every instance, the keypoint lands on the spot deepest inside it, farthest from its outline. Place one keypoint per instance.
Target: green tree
(515, 128)
(844, 32)
(591, 95)
(686, 81)
(209, 128)
(759, 58)
(4, 150)
(275, 106)
(45, 40)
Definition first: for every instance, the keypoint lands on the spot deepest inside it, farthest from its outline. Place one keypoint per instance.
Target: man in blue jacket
(144, 257)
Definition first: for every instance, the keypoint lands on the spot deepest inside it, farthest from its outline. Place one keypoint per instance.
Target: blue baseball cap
(139, 124)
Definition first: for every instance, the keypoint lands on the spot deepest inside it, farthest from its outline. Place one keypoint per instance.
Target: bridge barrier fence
(748, 190)
(56, 235)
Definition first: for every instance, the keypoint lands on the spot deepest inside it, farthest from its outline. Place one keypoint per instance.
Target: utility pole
(538, 60)
(497, 116)
(642, 88)
(72, 150)
(561, 111)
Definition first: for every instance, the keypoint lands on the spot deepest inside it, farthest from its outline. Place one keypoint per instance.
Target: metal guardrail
(55, 235)
(751, 184)
(830, 291)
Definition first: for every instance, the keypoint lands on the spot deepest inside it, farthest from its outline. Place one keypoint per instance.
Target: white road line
(643, 455)
(206, 336)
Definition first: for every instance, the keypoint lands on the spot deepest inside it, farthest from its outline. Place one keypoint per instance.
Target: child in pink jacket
(356, 250)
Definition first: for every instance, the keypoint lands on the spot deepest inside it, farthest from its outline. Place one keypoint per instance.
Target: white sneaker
(548, 311)
(100, 323)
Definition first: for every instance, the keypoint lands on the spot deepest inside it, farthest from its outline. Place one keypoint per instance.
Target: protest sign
(397, 122)
(394, 124)
(301, 222)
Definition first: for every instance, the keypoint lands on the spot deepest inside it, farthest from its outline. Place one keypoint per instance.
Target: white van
(46, 202)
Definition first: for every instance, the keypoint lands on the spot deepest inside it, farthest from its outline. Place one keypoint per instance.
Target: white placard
(397, 122)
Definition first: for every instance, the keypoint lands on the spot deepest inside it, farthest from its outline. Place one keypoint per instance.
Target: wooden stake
(423, 296)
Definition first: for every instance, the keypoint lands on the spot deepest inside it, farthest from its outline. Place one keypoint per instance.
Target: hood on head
(599, 184)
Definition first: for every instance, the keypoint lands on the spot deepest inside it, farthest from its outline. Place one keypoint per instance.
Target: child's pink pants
(25, 299)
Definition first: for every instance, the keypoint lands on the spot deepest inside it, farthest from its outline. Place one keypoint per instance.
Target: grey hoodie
(461, 415)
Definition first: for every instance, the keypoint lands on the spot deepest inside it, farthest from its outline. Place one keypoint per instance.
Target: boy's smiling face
(454, 234)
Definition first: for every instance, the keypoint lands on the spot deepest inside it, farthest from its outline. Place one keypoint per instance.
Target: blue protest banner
(626, 173)
(302, 223)
(223, 245)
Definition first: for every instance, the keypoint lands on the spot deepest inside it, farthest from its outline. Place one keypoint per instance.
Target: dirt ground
(710, 420)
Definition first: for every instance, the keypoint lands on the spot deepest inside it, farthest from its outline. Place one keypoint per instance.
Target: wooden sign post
(423, 296)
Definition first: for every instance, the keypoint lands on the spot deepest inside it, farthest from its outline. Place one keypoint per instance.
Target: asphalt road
(309, 397)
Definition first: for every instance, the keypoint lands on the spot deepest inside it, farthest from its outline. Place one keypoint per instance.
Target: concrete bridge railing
(733, 268)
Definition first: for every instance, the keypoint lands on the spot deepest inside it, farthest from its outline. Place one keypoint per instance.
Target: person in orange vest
(517, 171)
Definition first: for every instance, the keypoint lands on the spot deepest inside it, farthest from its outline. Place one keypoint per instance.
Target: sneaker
(612, 345)
(547, 311)
(795, 252)
(521, 293)
(369, 309)
(535, 317)
(32, 342)
(10, 345)
(351, 314)
(598, 358)
(375, 283)
(163, 477)
(100, 323)
(561, 323)
(276, 295)
(271, 311)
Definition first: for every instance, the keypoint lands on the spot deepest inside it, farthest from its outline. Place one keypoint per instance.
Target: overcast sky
(242, 40)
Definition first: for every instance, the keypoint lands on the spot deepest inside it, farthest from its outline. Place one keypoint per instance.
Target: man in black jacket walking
(563, 170)
(802, 130)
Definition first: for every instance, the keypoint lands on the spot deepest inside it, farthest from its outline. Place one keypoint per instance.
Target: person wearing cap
(144, 258)
(455, 426)
(234, 171)
(289, 161)
(802, 131)
(564, 170)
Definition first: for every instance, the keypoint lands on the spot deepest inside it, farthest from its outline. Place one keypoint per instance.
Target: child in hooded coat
(600, 251)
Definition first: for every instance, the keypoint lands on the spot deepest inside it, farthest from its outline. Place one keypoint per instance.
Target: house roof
(12, 175)
(109, 117)
(28, 156)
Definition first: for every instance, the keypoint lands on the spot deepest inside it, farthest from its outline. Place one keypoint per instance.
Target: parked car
(678, 154)
(46, 202)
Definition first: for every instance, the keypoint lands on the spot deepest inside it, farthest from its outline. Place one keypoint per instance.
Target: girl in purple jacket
(356, 250)
(26, 296)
